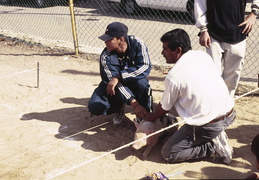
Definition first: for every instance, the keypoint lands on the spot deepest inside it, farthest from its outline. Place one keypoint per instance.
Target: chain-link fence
(48, 23)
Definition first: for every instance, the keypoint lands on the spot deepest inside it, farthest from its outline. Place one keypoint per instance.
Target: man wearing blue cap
(124, 67)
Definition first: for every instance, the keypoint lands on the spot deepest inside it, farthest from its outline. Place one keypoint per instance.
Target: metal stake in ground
(38, 74)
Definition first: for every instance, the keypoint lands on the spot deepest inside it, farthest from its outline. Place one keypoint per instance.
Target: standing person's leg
(233, 63)
(216, 52)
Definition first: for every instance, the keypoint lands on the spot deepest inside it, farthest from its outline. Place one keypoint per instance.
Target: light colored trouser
(229, 60)
(194, 142)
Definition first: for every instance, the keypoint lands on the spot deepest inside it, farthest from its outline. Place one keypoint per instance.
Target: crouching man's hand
(111, 86)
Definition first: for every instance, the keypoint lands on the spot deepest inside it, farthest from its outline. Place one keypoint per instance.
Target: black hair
(255, 146)
(177, 38)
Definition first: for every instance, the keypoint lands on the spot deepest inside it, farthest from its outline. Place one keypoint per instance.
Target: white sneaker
(117, 119)
(222, 148)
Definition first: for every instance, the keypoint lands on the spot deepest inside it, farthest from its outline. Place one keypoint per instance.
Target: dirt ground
(47, 132)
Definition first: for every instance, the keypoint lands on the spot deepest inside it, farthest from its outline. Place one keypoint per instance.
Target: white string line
(18, 73)
(246, 94)
(114, 150)
(55, 141)
(124, 146)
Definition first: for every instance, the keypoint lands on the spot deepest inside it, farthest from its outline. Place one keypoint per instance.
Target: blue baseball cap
(115, 29)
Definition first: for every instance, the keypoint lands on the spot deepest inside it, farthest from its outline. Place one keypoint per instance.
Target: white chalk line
(8, 107)
(114, 150)
(175, 174)
(25, 71)
(67, 137)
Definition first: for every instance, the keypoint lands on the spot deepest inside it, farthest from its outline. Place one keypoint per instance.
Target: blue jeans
(193, 142)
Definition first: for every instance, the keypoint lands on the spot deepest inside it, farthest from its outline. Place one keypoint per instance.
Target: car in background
(133, 6)
(36, 3)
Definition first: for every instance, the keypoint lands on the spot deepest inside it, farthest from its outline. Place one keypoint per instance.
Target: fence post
(73, 23)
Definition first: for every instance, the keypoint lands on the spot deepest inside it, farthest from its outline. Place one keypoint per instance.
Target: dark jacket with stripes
(135, 65)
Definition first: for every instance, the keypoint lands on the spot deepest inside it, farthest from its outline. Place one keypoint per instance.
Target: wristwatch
(255, 11)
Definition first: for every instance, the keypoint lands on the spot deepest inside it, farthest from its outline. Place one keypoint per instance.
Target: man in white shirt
(199, 95)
